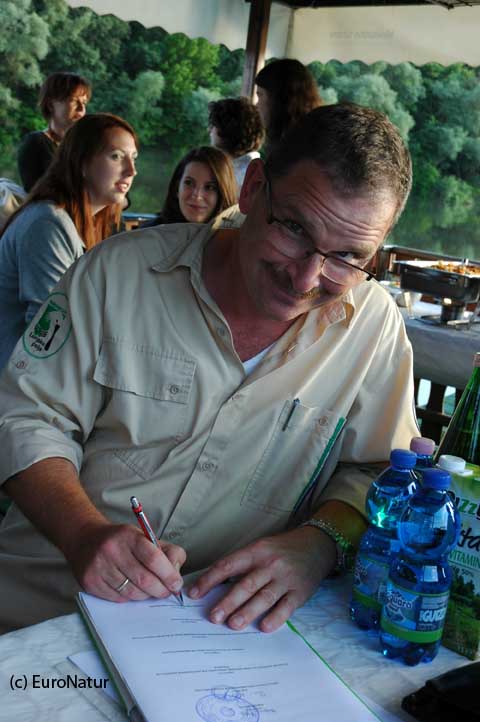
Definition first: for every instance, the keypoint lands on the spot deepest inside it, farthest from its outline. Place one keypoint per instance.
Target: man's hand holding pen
(104, 555)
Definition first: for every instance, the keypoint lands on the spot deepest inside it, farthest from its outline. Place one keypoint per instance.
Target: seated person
(202, 185)
(74, 206)
(236, 128)
(63, 100)
(240, 382)
(286, 91)
(11, 197)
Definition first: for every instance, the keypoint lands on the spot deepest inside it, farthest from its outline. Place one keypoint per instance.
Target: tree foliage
(163, 83)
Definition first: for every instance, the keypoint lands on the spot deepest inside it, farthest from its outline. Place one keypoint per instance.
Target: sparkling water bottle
(462, 437)
(418, 586)
(386, 500)
(424, 449)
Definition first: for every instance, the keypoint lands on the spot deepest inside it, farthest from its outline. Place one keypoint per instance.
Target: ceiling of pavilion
(314, 30)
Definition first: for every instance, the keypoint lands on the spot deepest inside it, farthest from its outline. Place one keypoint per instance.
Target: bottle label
(413, 616)
(370, 581)
(462, 625)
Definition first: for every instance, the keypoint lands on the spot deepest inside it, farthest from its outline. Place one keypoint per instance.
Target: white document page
(180, 666)
(91, 665)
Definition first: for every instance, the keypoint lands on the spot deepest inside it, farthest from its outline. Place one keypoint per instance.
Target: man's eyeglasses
(291, 244)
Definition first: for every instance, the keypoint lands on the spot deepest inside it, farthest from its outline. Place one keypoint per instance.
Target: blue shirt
(35, 251)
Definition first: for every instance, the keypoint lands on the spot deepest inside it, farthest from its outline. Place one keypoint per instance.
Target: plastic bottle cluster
(402, 576)
(386, 500)
(418, 586)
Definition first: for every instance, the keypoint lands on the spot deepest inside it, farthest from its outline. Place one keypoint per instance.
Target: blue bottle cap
(403, 458)
(436, 478)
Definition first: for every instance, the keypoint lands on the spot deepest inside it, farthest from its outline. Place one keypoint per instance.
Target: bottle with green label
(419, 580)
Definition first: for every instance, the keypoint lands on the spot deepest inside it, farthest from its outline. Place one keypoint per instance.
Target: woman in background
(75, 205)
(202, 185)
(235, 127)
(63, 100)
(286, 91)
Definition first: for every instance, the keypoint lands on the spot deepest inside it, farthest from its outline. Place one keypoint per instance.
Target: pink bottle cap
(422, 445)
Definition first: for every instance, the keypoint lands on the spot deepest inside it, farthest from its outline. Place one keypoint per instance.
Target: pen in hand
(148, 531)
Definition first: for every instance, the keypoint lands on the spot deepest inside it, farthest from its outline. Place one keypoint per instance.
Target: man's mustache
(285, 282)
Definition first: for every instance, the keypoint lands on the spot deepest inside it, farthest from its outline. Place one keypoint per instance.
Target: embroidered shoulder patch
(47, 333)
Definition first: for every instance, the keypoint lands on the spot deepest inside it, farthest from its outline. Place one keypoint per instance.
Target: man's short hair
(238, 123)
(358, 148)
(60, 86)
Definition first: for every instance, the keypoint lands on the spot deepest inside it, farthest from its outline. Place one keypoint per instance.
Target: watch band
(344, 548)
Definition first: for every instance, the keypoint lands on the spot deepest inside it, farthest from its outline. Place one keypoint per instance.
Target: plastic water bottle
(386, 500)
(418, 586)
(424, 449)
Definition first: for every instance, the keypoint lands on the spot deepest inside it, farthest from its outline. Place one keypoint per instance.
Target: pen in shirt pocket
(290, 413)
(149, 533)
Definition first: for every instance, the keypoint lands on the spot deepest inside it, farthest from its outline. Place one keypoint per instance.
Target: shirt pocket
(148, 393)
(293, 457)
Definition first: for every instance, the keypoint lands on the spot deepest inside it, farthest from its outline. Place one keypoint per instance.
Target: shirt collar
(187, 251)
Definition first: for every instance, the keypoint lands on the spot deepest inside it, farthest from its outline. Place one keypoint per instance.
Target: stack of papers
(170, 663)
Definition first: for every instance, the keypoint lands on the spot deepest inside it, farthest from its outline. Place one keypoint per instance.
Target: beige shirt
(129, 371)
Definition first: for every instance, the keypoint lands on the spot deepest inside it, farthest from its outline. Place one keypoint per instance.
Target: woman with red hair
(75, 205)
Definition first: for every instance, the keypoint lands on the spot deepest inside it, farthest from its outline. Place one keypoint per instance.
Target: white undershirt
(250, 364)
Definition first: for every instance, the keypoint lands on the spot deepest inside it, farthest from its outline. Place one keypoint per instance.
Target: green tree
(186, 65)
(195, 110)
(407, 82)
(144, 111)
(374, 91)
(23, 42)
(145, 49)
(24, 39)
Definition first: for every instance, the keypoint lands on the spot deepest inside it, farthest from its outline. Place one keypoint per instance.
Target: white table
(43, 648)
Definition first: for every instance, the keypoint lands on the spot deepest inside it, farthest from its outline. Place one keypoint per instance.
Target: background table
(42, 649)
(442, 355)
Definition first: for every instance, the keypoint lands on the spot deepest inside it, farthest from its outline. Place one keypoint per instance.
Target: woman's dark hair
(60, 86)
(222, 169)
(238, 123)
(292, 93)
(64, 182)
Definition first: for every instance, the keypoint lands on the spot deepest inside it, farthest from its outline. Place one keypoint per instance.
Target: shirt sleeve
(45, 251)
(381, 419)
(33, 158)
(48, 400)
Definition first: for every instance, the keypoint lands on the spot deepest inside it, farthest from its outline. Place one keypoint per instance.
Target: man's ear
(252, 183)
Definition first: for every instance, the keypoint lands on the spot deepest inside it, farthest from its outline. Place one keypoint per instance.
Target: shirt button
(207, 466)
(173, 534)
(221, 331)
(174, 389)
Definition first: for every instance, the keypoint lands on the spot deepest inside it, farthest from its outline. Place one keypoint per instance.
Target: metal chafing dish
(455, 283)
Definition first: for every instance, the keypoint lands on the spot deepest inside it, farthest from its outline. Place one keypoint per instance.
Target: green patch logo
(47, 334)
